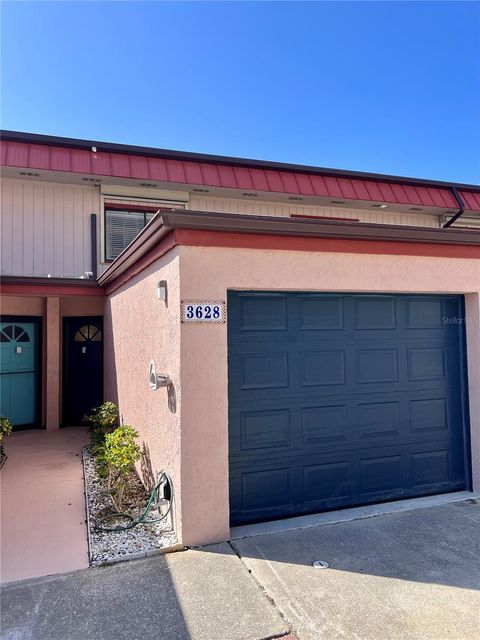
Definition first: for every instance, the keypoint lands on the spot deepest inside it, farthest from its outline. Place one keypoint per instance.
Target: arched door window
(14, 333)
(88, 333)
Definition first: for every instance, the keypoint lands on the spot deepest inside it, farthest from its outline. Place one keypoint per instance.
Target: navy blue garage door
(340, 400)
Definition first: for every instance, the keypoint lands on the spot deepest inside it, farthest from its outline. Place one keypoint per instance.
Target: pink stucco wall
(207, 273)
(192, 444)
(23, 306)
(139, 328)
(82, 306)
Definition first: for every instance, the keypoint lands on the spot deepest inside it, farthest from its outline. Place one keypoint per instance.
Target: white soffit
(151, 193)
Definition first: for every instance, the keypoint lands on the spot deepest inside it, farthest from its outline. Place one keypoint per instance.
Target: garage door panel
(321, 425)
(264, 434)
(277, 390)
(265, 429)
(363, 445)
(264, 370)
(426, 363)
(268, 488)
(334, 368)
(265, 491)
(430, 467)
(320, 313)
(346, 399)
(334, 422)
(429, 415)
(378, 420)
(375, 312)
(338, 481)
(424, 313)
(262, 312)
(328, 428)
(381, 475)
(328, 482)
(322, 367)
(433, 313)
(376, 366)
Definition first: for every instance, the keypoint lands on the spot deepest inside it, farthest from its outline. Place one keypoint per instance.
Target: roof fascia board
(46, 280)
(35, 138)
(163, 223)
(142, 244)
(241, 223)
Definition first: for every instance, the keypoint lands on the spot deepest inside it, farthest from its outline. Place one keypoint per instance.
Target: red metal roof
(230, 176)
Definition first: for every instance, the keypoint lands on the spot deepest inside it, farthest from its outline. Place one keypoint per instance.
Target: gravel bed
(138, 542)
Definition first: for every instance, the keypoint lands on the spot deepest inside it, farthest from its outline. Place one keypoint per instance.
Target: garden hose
(154, 497)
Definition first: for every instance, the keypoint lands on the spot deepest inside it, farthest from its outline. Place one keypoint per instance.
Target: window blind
(121, 228)
(124, 219)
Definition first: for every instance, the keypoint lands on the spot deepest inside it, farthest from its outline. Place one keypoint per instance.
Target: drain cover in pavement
(320, 564)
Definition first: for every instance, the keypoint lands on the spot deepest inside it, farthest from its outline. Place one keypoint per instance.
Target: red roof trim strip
(124, 165)
(197, 238)
(10, 288)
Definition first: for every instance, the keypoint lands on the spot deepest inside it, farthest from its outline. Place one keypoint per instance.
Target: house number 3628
(196, 311)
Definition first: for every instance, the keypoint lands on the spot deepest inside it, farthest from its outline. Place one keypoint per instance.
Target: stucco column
(53, 364)
(472, 315)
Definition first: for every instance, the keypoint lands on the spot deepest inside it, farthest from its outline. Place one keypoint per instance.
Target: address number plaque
(200, 311)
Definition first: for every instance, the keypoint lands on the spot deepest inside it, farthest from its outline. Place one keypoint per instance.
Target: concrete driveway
(413, 575)
(202, 594)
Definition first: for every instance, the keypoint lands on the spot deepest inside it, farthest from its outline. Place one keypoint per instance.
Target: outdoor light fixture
(162, 290)
(157, 380)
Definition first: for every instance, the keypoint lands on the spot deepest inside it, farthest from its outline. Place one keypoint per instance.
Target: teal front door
(19, 371)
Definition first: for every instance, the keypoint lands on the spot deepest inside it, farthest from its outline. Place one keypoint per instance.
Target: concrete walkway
(202, 594)
(413, 575)
(410, 575)
(42, 504)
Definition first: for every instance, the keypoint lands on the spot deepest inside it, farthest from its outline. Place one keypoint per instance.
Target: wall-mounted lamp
(162, 290)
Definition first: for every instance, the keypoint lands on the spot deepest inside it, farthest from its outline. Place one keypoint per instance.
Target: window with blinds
(121, 227)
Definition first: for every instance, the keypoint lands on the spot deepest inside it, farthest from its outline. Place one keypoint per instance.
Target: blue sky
(385, 87)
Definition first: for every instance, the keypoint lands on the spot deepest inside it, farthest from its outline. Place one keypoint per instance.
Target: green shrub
(100, 462)
(5, 427)
(5, 430)
(119, 454)
(102, 420)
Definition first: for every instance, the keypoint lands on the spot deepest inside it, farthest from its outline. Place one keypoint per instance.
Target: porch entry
(82, 367)
(19, 370)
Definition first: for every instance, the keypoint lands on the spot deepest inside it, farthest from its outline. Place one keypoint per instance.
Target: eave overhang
(38, 156)
(164, 225)
(47, 286)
